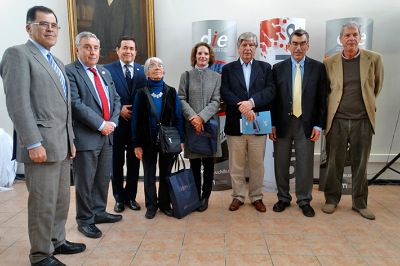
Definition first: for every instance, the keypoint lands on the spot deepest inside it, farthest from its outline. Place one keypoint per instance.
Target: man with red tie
(95, 111)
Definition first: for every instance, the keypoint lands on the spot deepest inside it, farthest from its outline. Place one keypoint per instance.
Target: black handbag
(205, 142)
(168, 137)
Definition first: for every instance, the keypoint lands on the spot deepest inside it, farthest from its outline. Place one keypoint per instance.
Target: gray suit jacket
(86, 107)
(36, 102)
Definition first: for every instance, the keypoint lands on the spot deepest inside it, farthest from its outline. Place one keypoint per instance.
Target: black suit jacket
(313, 99)
(233, 91)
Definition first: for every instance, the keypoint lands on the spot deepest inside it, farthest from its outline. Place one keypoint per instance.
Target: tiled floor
(221, 237)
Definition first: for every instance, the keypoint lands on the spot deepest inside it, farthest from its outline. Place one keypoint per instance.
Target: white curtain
(8, 167)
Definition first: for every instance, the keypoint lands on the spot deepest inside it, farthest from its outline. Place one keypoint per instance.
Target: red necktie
(102, 94)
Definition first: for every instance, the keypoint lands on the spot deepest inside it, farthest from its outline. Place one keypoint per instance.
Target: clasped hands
(109, 128)
(197, 122)
(246, 108)
(126, 113)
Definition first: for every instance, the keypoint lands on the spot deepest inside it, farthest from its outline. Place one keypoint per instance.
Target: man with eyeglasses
(95, 111)
(246, 87)
(39, 104)
(298, 116)
(128, 76)
(355, 78)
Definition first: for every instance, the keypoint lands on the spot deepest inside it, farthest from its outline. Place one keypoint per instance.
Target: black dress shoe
(90, 230)
(133, 205)
(204, 205)
(69, 248)
(167, 212)
(107, 218)
(280, 206)
(49, 261)
(119, 207)
(150, 214)
(308, 211)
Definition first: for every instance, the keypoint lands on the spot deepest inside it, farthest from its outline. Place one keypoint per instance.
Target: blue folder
(260, 126)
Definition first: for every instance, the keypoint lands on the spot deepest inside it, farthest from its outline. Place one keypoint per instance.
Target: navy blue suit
(122, 134)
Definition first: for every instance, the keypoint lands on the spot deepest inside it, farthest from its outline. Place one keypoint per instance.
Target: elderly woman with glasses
(145, 131)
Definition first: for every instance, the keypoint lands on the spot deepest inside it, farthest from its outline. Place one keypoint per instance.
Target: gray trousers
(48, 204)
(304, 154)
(92, 174)
(359, 134)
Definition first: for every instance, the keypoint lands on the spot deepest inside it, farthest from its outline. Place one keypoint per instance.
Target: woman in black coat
(145, 133)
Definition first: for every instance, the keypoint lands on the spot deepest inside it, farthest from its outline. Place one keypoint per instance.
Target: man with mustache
(298, 115)
(39, 104)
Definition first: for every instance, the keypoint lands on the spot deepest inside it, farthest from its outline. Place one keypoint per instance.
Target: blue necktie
(58, 72)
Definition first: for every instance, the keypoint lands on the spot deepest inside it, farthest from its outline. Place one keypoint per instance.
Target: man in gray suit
(38, 102)
(95, 111)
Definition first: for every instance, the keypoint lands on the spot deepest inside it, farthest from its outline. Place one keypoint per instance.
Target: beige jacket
(371, 75)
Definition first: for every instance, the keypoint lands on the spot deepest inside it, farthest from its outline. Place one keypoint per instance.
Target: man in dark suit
(298, 115)
(39, 104)
(247, 87)
(128, 76)
(95, 111)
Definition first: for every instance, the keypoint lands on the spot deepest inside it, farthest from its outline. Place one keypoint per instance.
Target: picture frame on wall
(111, 19)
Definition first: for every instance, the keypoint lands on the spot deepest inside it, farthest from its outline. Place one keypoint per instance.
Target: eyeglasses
(301, 44)
(154, 65)
(46, 25)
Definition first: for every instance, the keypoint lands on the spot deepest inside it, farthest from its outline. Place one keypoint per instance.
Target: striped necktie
(58, 72)
(128, 77)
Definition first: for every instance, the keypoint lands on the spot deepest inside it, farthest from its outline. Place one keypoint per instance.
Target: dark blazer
(117, 74)
(87, 113)
(313, 99)
(233, 91)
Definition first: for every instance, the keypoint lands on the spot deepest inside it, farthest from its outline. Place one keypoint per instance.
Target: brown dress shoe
(235, 205)
(259, 205)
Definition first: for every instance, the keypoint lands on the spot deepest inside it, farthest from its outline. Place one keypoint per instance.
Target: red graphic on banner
(273, 34)
(274, 37)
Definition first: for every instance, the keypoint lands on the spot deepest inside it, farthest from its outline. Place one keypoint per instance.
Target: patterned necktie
(128, 77)
(102, 94)
(58, 72)
(297, 92)
(128, 74)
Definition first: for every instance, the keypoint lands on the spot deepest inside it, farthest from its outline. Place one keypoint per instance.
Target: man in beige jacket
(355, 78)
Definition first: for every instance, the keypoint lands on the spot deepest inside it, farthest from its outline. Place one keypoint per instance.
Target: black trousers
(208, 175)
(123, 150)
(163, 201)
